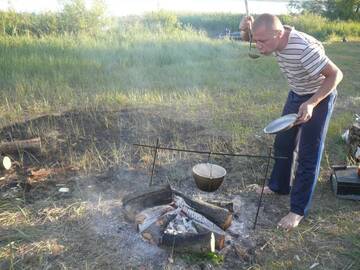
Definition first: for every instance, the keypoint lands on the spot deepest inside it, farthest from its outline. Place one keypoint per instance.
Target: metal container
(283, 123)
(208, 177)
(345, 182)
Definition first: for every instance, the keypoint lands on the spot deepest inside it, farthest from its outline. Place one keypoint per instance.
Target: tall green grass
(54, 73)
(151, 61)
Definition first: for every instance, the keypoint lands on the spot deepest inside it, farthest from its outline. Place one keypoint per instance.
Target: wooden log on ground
(155, 231)
(5, 163)
(218, 236)
(195, 216)
(201, 222)
(223, 204)
(222, 217)
(150, 214)
(153, 196)
(201, 242)
(31, 145)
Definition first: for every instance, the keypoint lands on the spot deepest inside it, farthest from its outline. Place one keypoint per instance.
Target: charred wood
(222, 217)
(153, 196)
(201, 242)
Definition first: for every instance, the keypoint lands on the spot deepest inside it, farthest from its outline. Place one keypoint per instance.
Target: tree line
(332, 9)
(74, 18)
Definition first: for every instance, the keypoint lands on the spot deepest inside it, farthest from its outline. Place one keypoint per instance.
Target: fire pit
(169, 218)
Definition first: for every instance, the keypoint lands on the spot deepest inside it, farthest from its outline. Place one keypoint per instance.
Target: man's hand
(245, 27)
(246, 22)
(305, 113)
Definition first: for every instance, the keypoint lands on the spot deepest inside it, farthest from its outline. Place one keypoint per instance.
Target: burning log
(219, 237)
(223, 204)
(184, 235)
(202, 222)
(148, 215)
(163, 218)
(201, 242)
(134, 203)
(154, 232)
(222, 217)
(32, 145)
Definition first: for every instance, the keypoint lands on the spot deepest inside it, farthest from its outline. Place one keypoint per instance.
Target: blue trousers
(311, 145)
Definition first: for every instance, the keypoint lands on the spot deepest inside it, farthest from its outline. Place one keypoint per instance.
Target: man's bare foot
(290, 221)
(267, 190)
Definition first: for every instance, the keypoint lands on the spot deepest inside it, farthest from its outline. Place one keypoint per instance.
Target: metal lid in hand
(283, 123)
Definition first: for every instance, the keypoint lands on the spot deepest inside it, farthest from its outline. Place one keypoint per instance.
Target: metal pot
(208, 177)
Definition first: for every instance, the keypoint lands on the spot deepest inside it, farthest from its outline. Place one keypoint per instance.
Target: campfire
(166, 217)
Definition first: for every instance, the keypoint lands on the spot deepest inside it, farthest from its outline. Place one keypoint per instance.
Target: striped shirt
(302, 61)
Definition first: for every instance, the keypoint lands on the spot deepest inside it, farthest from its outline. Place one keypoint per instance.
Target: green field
(173, 83)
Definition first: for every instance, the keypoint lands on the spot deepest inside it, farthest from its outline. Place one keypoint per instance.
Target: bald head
(267, 22)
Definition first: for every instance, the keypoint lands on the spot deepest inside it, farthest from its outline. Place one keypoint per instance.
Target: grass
(210, 257)
(181, 83)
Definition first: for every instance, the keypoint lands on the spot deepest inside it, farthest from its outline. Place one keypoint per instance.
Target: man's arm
(245, 27)
(333, 77)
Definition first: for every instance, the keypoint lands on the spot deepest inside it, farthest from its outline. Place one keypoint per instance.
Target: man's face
(266, 41)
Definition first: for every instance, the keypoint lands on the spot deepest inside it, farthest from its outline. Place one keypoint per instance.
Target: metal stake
(263, 186)
(153, 164)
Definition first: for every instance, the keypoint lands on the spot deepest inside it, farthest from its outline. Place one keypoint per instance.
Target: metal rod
(246, 8)
(153, 164)
(207, 152)
(263, 186)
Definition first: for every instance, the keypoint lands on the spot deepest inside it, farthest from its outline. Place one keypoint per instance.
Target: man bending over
(312, 79)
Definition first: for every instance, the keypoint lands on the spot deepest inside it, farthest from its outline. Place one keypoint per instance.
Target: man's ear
(278, 33)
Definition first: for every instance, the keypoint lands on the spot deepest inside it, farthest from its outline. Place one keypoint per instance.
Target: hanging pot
(208, 177)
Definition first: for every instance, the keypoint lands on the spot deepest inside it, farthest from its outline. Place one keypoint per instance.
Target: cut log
(202, 220)
(222, 217)
(151, 219)
(202, 223)
(155, 231)
(201, 242)
(138, 201)
(218, 236)
(152, 213)
(31, 145)
(223, 204)
(5, 163)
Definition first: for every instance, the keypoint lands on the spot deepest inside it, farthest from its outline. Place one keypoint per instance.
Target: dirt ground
(89, 231)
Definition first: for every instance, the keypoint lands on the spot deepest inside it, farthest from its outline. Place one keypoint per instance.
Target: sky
(127, 7)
